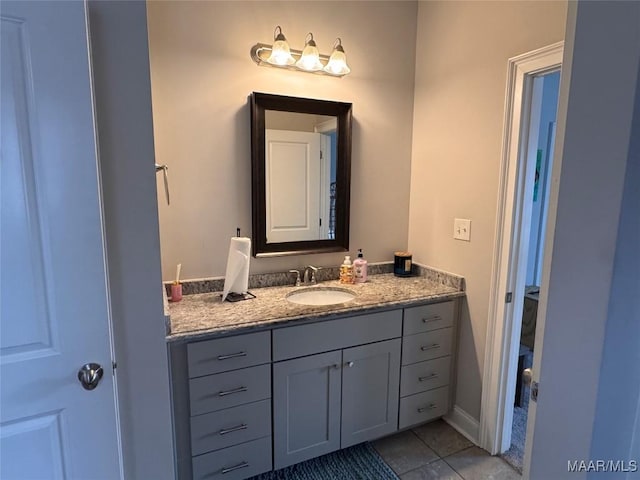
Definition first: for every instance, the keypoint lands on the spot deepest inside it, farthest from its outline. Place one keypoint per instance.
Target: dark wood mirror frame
(260, 102)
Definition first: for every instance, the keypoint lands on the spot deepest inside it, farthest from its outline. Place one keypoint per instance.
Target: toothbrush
(177, 281)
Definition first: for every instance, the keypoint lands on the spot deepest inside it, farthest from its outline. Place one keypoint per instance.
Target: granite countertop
(204, 315)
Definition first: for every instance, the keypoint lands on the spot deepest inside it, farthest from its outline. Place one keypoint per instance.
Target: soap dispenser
(360, 268)
(346, 270)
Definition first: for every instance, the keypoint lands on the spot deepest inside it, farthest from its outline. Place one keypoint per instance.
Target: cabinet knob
(349, 364)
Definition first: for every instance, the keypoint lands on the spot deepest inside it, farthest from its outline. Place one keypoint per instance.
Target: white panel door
(292, 186)
(54, 311)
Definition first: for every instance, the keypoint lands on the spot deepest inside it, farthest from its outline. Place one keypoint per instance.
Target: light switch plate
(462, 229)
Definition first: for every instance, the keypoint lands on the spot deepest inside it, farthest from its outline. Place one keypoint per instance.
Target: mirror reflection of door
(292, 185)
(300, 176)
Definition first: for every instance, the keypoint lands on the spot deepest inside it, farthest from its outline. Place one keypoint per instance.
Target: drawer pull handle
(430, 407)
(232, 355)
(429, 347)
(230, 392)
(432, 318)
(428, 377)
(235, 467)
(224, 431)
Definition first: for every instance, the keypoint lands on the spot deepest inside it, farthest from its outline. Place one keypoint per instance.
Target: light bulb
(337, 64)
(310, 59)
(280, 53)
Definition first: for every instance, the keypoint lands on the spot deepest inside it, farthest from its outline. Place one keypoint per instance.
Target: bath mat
(360, 462)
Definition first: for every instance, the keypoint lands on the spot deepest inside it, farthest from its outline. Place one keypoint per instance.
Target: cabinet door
(306, 399)
(370, 391)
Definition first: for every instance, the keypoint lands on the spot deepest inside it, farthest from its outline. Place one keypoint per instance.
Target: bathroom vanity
(265, 383)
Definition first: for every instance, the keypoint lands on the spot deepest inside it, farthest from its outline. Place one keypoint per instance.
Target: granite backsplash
(279, 279)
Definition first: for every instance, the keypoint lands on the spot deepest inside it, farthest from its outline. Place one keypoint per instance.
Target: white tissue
(236, 279)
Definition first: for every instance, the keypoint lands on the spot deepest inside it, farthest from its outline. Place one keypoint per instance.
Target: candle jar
(176, 292)
(402, 264)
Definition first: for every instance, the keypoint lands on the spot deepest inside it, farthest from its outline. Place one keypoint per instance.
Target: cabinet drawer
(421, 407)
(234, 463)
(428, 317)
(231, 426)
(291, 342)
(424, 376)
(425, 346)
(224, 390)
(230, 353)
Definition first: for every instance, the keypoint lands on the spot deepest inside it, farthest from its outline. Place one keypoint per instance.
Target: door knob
(90, 375)
(527, 376)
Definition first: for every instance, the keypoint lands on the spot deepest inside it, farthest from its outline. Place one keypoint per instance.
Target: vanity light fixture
(307, 60)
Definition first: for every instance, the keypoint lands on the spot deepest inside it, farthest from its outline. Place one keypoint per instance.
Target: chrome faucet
(297, 276)
(313, 270)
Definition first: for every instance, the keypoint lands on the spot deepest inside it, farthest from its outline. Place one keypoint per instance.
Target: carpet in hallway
(515, 455)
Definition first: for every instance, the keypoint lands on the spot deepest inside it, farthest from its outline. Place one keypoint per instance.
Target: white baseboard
(464, 423)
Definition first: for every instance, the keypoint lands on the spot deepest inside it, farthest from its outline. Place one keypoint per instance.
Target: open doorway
(544, 104)
(521, 222)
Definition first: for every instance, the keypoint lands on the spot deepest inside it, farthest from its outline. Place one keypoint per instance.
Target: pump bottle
(360, 268)
(346, 270)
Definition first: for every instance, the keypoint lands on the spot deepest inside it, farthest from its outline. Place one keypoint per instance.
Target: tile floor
(437, 451)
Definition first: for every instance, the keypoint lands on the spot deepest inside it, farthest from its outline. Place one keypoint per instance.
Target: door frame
(324, 128)
(511, 240)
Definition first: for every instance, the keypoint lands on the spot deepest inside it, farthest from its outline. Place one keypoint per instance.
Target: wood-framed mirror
(301, 175)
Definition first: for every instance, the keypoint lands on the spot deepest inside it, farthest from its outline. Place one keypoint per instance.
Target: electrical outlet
(462, 229)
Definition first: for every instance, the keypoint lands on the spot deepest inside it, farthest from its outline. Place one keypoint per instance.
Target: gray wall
(582, 287)
(123, 106)
(619, 389)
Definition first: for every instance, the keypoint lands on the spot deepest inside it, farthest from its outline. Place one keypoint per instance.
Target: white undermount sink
(320, 296)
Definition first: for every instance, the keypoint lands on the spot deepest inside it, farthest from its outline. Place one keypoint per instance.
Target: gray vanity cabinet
(338, 398)
(428, 344)
(306, 414)
(370, 382)
(249, 402)
(221, 393)
(333, 400)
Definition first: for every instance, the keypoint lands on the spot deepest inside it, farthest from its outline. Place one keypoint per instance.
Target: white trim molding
(464, 423)
(497, 393)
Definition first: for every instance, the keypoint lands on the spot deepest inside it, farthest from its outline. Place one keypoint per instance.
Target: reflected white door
(292, 186)
(54, 311)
